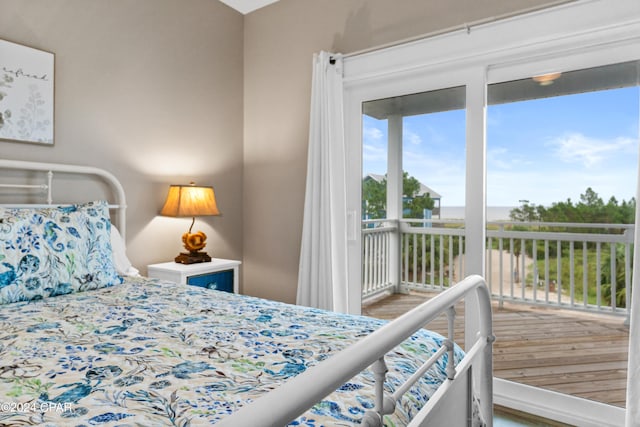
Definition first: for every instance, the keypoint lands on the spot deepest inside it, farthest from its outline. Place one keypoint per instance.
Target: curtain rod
(466, 26)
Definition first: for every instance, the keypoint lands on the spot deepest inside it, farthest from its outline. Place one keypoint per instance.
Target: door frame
(571, 36)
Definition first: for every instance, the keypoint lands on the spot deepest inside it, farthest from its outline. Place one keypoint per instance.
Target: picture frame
(26, 94)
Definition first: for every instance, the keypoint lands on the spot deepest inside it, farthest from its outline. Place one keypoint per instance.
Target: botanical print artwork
(26, 94)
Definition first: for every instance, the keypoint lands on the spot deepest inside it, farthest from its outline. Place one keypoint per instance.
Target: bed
(84, 340)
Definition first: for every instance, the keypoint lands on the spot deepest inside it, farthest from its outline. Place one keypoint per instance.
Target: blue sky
(544, 151)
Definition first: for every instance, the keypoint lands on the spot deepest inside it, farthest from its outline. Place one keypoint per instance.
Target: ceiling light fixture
(546, 79)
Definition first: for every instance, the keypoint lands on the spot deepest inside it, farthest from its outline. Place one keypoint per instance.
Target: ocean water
(494, 213)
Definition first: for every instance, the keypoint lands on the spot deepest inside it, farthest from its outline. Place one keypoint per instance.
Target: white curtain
(322, 278)
(633, 369)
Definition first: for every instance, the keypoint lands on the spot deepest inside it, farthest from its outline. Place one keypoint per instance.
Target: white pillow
(120, 260)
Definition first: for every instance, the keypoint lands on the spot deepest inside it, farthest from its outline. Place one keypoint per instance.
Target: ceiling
(604, 77)
(247, 6)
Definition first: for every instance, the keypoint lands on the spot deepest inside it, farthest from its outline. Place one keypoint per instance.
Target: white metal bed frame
(120, 204)
(452, 403)
(469, 383)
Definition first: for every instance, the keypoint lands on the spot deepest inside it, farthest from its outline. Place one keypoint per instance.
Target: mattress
(154, 353)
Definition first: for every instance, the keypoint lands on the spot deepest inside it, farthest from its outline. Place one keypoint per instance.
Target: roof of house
(423, 188)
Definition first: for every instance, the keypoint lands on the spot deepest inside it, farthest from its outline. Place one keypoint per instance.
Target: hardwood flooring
(567, 351)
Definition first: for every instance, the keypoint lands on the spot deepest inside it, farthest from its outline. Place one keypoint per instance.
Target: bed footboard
(471, 380)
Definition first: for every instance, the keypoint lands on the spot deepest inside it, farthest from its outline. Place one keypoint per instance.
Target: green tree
(414, 203)
(590, 209)
(374, 197)
(607, 278)
(525, 213)
(560, 212)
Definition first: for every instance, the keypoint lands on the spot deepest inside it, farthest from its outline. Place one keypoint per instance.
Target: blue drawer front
(220, 280)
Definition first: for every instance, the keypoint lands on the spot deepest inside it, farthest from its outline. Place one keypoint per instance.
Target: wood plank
(577, 377)
(583, 354)
(561, 357)
(522, 372)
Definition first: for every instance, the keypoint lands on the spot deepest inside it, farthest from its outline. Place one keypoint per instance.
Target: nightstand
(220, 274)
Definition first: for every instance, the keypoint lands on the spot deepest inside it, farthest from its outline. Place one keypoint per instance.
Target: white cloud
(577, 148)
(373, 152)
(501, 158)
(372, 133)
(498, 158)
(506, 188)
(374, 148)
(445, 176)
(412, 137)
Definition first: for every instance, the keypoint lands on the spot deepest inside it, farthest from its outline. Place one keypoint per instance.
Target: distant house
(435, 213)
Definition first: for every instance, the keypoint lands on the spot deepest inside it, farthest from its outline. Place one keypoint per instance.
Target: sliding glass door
(550, 127)
(562, 165)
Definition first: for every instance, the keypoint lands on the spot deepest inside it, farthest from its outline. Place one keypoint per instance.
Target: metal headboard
(119, 206)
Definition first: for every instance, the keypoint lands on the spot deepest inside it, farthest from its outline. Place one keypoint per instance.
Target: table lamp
(191, 200)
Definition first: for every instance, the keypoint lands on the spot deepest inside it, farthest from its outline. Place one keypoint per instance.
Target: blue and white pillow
(53, 251)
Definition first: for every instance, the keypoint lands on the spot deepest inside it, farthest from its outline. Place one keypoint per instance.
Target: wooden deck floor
(570, 352)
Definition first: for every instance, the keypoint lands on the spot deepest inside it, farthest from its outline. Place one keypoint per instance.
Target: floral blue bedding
(54, 251)
(153, 353)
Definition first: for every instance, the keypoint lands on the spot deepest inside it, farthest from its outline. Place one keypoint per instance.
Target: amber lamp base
(192, 257)
(193, 243)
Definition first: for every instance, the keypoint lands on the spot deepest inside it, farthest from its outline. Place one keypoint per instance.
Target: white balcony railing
(376, 257)
(578, 266)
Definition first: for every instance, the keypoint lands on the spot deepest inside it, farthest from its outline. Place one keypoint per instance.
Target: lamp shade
(190, 200)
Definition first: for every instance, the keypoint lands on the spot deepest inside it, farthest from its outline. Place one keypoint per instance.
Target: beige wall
(152, 91)
(279, 43)
(160, 91)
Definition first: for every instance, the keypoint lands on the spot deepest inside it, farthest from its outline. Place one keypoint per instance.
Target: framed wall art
(26, 94)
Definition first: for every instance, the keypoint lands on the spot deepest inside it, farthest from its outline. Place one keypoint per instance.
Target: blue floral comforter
(153, 353)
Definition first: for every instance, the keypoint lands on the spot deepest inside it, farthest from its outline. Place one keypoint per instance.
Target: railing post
(627, 275)
(394, 196)
(395, 256)
(382, 405)
(451, 316)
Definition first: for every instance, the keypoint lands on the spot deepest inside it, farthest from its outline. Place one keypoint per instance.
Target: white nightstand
(220, 274)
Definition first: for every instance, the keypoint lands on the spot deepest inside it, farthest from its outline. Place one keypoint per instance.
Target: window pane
(562, 156)
(432, 132)
(374, 160)
(548, 142)
(413, 167)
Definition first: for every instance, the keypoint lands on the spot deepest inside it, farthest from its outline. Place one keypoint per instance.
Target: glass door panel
(562, 156)
(413, 153)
